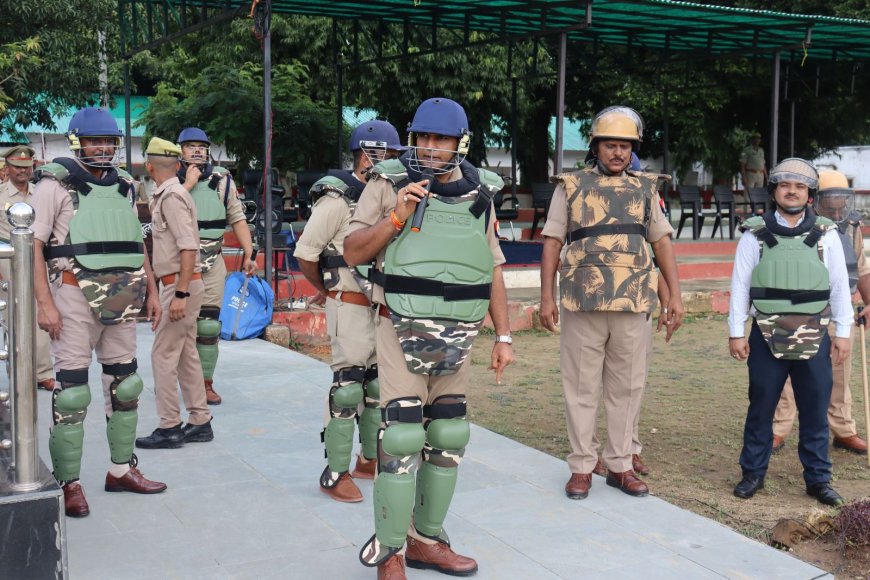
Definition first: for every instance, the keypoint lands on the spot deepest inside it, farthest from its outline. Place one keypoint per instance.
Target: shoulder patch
(752, 224)
(222, 171)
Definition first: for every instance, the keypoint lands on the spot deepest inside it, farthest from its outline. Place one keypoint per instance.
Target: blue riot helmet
(376, 139)
(102, 137)
(439, 116)
(195, 152)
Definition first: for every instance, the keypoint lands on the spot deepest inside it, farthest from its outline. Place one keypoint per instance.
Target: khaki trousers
(43, 368)
(602, 353)
(215, 281)
(351, 329)
(840, 418)
(754, 179)
(83, 333)
(175, 360)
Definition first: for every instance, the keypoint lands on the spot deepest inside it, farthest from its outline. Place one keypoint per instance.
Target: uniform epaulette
(752, 224)
(854, 218)
(222, 171)
(491, 180)
(392, 170)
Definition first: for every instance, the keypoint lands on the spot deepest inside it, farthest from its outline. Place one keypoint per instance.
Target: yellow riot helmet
(616, 122)
(835, 199)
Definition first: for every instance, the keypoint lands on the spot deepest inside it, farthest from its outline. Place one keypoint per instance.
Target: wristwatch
(180, 294)
(505, 338)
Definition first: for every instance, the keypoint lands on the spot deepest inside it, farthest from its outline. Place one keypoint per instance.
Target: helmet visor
(781, 176)
(196, 152)
(834, 204)
(101, 152)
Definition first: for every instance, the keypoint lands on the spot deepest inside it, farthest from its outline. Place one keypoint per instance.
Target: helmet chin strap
(791, 210)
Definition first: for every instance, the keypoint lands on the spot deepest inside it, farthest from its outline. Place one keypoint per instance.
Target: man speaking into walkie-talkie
(434, 281)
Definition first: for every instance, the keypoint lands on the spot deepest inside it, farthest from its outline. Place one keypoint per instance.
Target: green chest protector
(437, 281)
(104, 242)
(211, 215)
(339, 185)
(790, 287)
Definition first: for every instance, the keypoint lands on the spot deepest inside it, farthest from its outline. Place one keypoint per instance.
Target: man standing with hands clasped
(174, 357)
(790, 269)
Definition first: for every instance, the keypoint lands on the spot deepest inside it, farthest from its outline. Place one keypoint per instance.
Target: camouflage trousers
(397, 381)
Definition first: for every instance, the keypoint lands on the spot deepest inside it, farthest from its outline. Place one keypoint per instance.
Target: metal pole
(267, 137)
(774, 111)
(560, 104)
(339, 90)
(22, 339)
(514, 135)
(128, 140)
(791, 129)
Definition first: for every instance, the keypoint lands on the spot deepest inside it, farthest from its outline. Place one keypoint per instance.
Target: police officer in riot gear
(217, 205)
(789, 268)
(601, 224)
(835, 201)
(354, 393)
(434, 280)
(97, 278)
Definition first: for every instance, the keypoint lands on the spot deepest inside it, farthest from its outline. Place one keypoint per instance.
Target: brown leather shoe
(854, 444)
(343, 490)
(364, 468)
(45, 384)
(599, 468)
(211, 397)
(778, 443)
(578, 486)
(628, 483)
(393, 568)
(439, 557)
(638, 465)
(133, 481)
(74, 501)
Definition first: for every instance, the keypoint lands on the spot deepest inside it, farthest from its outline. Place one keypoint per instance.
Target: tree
(49, 58)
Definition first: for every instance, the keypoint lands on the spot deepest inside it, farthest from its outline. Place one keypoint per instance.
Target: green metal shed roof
(680, 28)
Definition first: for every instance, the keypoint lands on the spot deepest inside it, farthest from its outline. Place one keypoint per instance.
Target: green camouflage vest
(438, 283)
(790, 288)
(112, 279)
(211, 215)
(607, 264)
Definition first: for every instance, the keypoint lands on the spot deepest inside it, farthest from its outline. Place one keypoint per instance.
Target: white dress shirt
(746, 259)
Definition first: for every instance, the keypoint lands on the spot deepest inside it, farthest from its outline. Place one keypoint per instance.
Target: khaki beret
(20, 156)
(163, 148)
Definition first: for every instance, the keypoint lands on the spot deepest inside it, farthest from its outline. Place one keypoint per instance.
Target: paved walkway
(247, 505)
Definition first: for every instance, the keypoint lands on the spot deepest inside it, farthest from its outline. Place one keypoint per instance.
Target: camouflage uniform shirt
(747, 258)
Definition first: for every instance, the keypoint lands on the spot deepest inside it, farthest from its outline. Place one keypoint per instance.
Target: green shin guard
(435, 487)
(65, 447)
(121, 433)
(338, 437)
(370, 419)
(393, 501)
(70, 407)
(208, 332)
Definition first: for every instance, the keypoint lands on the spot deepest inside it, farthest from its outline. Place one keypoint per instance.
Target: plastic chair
(725, 208)
(759, 200)
(542, 194)
(509, 213)
(691, 208)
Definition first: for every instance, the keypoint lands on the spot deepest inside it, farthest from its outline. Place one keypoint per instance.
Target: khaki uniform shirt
(327, 225)
(752, 158)
(9, 195)
(858, 243)
(376, 202)
(53, 206)
(556, 225)
(173, 227)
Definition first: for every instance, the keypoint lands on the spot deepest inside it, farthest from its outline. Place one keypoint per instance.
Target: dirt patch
(691, 427)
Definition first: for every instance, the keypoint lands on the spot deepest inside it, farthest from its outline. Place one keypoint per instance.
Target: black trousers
(812, 380)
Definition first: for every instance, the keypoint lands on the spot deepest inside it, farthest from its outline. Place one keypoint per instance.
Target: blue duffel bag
(247, 307)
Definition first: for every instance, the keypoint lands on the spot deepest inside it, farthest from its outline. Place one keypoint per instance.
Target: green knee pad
(370, 420)
(393, 500)
(121, 428)
(70, 407)
(338, 437)
(435, 487)
(207, 333)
